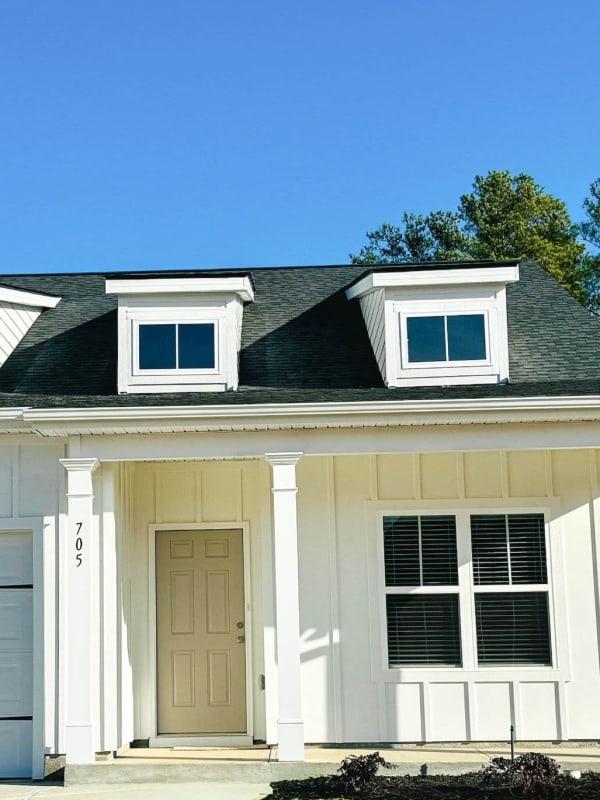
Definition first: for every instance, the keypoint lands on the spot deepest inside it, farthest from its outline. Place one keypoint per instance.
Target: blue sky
(138, 134)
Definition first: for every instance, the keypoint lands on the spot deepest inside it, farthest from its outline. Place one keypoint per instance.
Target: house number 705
(78, 544)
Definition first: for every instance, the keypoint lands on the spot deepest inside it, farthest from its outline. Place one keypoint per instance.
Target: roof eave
(155, 419)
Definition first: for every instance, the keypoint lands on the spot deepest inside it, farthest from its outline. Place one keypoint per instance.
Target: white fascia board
(28, 298)
(433, 277)
(11, 421)
(241, 286)
(67, 421)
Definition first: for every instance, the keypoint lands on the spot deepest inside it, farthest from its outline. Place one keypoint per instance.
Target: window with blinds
(420, 557)
(512, 625)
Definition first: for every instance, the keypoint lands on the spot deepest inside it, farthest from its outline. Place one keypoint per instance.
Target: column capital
(79, 464)
(283, 459)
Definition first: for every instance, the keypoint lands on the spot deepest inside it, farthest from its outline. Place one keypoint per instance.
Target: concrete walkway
(177, 791)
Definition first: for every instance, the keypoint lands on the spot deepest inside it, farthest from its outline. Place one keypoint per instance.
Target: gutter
(285, 416)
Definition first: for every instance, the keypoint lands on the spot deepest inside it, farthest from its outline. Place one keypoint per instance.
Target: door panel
(201, 652)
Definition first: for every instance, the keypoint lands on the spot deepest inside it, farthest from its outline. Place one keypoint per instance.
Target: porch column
(290, 727)
(80, 730)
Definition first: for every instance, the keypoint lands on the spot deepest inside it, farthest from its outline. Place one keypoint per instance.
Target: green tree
(589, 231)
(505, 216)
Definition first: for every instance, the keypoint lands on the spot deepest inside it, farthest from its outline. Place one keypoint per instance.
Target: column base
(291, 741)
(81, 744)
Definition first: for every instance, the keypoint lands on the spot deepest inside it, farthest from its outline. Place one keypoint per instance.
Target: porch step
(116, 771)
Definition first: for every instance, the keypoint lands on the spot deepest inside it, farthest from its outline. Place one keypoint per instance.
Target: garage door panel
(16, 620)
(16, 685)
(15, 749)
(16, 562)
(16, 654)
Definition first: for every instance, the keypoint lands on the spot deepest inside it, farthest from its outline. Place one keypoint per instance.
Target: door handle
(241, 639)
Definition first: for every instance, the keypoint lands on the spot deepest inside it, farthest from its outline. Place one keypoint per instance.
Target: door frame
(157, 740)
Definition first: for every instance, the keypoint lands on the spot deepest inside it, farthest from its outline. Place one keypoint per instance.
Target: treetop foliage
(504, 216)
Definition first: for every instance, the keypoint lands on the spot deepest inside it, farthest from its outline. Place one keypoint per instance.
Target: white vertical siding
(564, 704)
(15, 321)
(372, 306)
(187, 493)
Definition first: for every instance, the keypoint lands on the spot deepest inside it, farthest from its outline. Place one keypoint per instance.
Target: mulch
(435, 787)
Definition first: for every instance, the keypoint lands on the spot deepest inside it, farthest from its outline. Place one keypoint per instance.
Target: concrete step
(124, 771)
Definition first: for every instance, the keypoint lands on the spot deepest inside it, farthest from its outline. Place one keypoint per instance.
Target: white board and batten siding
(188, 496)
(349, 694)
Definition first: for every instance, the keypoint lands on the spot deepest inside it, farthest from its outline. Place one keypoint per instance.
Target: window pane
(527, 548)
(426, 339)
(197, 346)
(157, 346)
(513, 629)
(423, 629)
(466, 337)
(401, 551)
(490, 549)
(438, 551)
(517, 558)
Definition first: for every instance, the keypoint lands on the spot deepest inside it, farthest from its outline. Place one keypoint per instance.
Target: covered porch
(308, 508)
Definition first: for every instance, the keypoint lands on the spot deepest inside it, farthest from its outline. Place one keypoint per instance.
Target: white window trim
(452, 301)
(446, 364)
(224, 311)
(470, 671)
(389, 297)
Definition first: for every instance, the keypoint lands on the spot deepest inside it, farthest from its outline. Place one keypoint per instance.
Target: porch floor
(431, 753)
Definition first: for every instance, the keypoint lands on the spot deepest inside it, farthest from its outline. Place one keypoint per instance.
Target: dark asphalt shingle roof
(302, 341)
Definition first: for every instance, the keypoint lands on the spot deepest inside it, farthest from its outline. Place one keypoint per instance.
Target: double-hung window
(421, 579)
(510, 589)
(506, 593)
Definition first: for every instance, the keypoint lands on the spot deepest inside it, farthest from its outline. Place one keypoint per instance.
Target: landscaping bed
(436, 787)
(532, 776)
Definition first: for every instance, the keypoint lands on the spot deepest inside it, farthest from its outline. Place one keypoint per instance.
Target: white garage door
(16, 654)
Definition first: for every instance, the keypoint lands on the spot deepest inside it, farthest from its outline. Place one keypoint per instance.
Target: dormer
(438, 324)
(179, 334)
(19, 309)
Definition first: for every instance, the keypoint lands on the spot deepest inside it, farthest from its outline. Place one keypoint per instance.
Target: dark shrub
(357, 772)
(533, 772)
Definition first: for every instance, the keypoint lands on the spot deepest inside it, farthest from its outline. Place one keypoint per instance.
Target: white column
(80, 727)
(290, 727)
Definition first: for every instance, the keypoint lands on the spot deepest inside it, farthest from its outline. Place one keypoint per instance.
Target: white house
(296, 505)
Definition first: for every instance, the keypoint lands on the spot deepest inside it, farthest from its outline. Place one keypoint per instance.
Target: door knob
(239, 624)
(241, 639)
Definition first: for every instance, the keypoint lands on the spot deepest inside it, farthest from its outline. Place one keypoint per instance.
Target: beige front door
(200, 641)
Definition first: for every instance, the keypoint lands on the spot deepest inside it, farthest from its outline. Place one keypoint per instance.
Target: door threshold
(222, 740)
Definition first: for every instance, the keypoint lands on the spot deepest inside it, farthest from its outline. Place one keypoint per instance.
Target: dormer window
(445, 338)
(176, 346)
(181, 334)
(438, 326)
